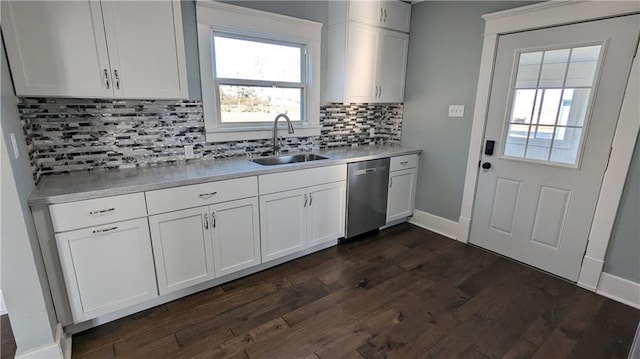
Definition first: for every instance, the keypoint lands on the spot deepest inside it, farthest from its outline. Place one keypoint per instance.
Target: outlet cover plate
(456, 110)
(188, 152)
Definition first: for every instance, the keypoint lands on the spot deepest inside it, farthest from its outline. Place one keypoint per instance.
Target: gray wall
(23, 279)
(445, 46)
(623, 254)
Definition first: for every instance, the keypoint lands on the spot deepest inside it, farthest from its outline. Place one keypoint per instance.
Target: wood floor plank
(403, 292)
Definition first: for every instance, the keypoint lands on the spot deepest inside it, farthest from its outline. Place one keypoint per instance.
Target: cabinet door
(402, 193)
(396, 15)
(57, 48)
(362, 55)
(369, 12)
(236, 235)
(391, 71)
(107, 268)
(146, 48)
(283, 223)
(182, 248)
(326, 212)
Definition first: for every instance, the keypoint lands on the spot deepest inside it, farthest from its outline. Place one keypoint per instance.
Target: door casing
(538, 16)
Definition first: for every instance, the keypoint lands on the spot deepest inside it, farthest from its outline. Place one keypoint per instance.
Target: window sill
(240, 135)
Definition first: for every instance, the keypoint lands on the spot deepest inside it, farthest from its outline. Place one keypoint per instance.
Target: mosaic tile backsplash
(66, 135)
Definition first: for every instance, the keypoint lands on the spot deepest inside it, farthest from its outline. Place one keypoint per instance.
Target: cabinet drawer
(172, 199)
(284, 181)
(94, 212)
(403, 162)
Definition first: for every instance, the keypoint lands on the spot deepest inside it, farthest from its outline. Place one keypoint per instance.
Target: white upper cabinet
(367, 60)
(56, 48)
(393, 15)
(96, 49)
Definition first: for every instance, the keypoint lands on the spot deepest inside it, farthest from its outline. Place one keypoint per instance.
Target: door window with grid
(550, 102)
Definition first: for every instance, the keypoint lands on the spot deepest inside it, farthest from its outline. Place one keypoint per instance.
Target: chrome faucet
(276, 149)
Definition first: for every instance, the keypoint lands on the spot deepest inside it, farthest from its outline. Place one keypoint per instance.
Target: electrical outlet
(14, 143)
(456, 110)
(188, 152)
(372, 132)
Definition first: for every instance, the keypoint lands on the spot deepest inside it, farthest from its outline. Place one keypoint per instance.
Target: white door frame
(547, 14)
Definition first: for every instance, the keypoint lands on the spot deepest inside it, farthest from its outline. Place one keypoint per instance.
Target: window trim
(214, 17)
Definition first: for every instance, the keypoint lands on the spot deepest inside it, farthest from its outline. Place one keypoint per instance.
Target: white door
(392, 65)
(57, 48)
(402, 191)
(283, 223)
(107, 268)
(236, 235)
(326, 213)
(146, 48)
(562, 89)
(182, 248)
(362, 55)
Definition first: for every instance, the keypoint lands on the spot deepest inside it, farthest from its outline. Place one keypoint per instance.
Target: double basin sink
(286, 159)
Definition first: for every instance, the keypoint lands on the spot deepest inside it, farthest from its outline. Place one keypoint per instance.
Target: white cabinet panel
(56, 48)
(326, 212)
(146, 48)
(284, 181)
(283, 223)
(236, 235)
(403, 162)
(402, 191)
(107, 268)
(182, 248)
(93, 212)
(394, 15)
(391, 71)
(361, 58)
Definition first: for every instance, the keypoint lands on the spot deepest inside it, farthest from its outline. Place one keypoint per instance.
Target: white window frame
(215, 17)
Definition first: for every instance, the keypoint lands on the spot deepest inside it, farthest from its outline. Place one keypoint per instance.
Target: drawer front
(285, 181)
(173, 199)
(94, 212)
(403, 162)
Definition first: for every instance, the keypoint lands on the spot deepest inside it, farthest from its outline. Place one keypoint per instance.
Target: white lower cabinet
(236, 235)
(107, 268)
(195, 245)
(402, 187)
(182, 248)
(293, 220)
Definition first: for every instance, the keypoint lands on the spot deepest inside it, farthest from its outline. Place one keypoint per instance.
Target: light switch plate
(188, 152)
(372, 132)
(456, 110)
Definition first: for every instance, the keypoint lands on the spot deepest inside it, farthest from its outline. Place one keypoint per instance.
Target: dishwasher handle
(367, 171)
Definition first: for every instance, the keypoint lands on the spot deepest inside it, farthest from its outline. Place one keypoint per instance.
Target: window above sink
(254, 65)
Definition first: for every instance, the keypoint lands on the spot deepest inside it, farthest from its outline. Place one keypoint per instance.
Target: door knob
(486, 165)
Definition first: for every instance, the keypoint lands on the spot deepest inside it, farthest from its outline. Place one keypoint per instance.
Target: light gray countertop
(87, 185)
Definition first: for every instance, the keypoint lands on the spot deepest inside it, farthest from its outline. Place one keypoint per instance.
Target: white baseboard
(619, 289)
(3, 307)
(51, 351)
(443, 226)
(590, 273)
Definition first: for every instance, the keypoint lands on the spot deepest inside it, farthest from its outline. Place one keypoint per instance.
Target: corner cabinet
(367, 61)
(108, 266)
(99, 49)
(403, 175)
(293, 219)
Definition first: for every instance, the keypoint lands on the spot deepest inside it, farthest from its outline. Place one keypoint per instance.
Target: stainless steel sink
(281, 160)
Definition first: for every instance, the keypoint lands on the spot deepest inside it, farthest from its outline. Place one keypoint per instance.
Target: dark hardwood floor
(7, 342)
(404, 292)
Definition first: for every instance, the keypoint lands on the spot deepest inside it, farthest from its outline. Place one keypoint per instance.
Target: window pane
(258, 104)
(582, 68)
(550, 107)
(252, 60)
(553, 68)
(528, 69)
(575, 103)
(539, 142)
(566, 145)
(522, 106)
(516, 140)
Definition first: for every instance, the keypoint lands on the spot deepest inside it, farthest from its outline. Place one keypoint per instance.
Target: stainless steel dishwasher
(368, 183)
